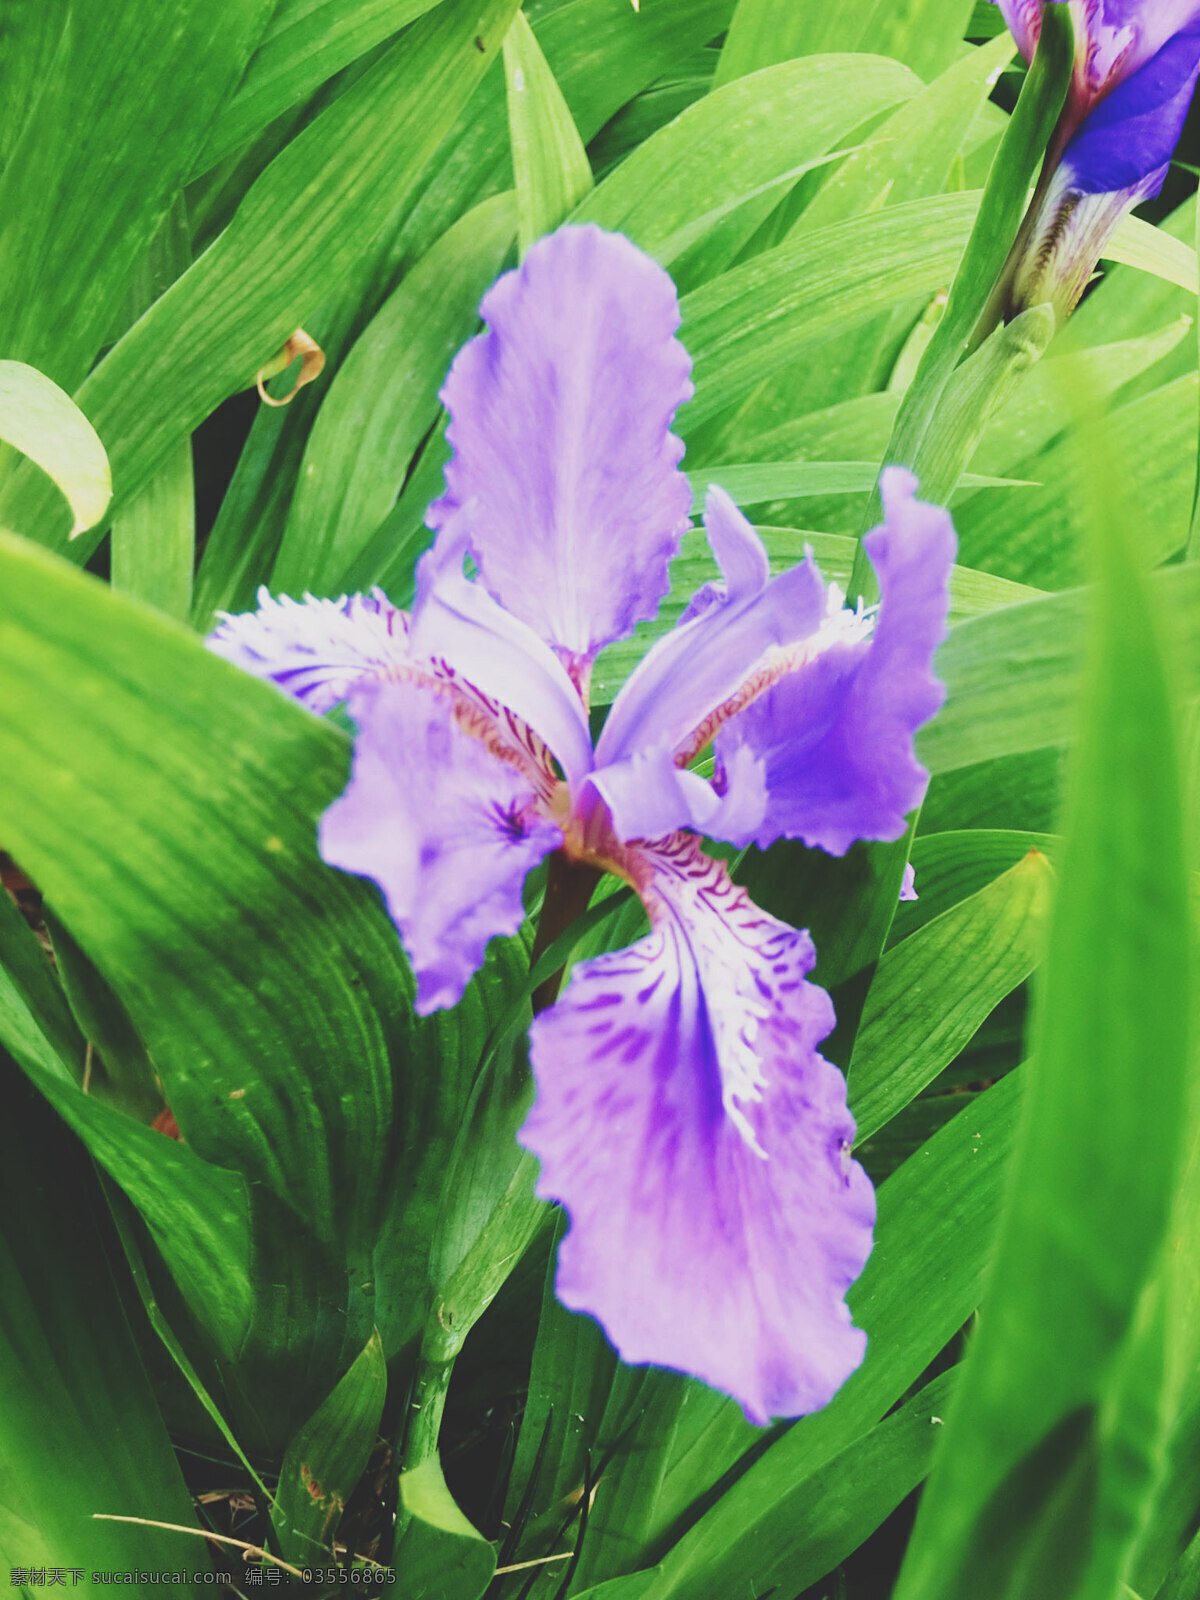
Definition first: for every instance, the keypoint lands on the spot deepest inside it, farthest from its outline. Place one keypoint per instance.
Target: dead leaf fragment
(312, 364)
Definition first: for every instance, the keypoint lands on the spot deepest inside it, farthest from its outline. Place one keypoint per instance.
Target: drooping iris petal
(701, 1147)
(707, 658)
(836, 737)
(564, 471)
(445, 828)
(458, 622)
(315, 649)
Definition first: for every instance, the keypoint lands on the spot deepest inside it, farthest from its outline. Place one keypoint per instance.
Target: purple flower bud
(1136, 64)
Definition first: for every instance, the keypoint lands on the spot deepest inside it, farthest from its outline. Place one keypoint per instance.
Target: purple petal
(648, 796)
(446, 830)
(458, 622)
(315, 649)
(1130, 136)
(836, 736)
(1024, 20)
(908, 888)
(707, 658)
(701, 1146)
(564, 467)
(1113, 38)
(1068, 239)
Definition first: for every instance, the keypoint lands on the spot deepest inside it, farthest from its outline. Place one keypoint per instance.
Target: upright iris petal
(684, 1114)
(1136, 65)
(565, 483)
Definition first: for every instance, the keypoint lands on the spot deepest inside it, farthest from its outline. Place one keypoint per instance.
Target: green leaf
(488, 1212)
(572, 1376)
(601, 53)
(723, 165)
(1012, 675)
(154, 538)
(932, 991)
(1126, 301)
(121, 111)
(1183, 1580)
(170, 820)
(305, 43)
(439, 1553)
(1014, 436)
(912, 151)
(831, 1513)
(550, 164)
(383, 401)
(326, 1459)
(793, 480)
(487, 1216)
(908, 157)
(158, 1321)
(952, 866)
(1033, 416)
(79, 1429)
(1037, 545)
(279, 257)
(46, 425)
(925, 34)
(761, 316)
(1016, 792)
(1052, 1449)
(31, 36)
(119, 1070)
(197, 1213)
(1138, 244)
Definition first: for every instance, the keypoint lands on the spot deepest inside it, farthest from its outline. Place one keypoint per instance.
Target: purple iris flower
(1136, 63)
(683, 1116)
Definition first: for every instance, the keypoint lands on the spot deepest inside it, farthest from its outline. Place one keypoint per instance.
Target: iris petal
(701, 1146)
(565, 472)
(1113, 38)
(315, 649)
(457, 622)
(648, 795)
(725, 632)
(835, 737)
(1024, 19)
(1118, 37)
(1131, 134)
(445, 827)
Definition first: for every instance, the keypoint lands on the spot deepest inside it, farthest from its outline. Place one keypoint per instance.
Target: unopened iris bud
(1136, 63)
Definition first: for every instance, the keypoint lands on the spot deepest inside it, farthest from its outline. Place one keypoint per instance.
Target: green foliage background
(334, 1295)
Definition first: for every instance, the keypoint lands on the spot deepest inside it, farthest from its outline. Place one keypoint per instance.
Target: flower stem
(431, 1383)
(569, 887)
